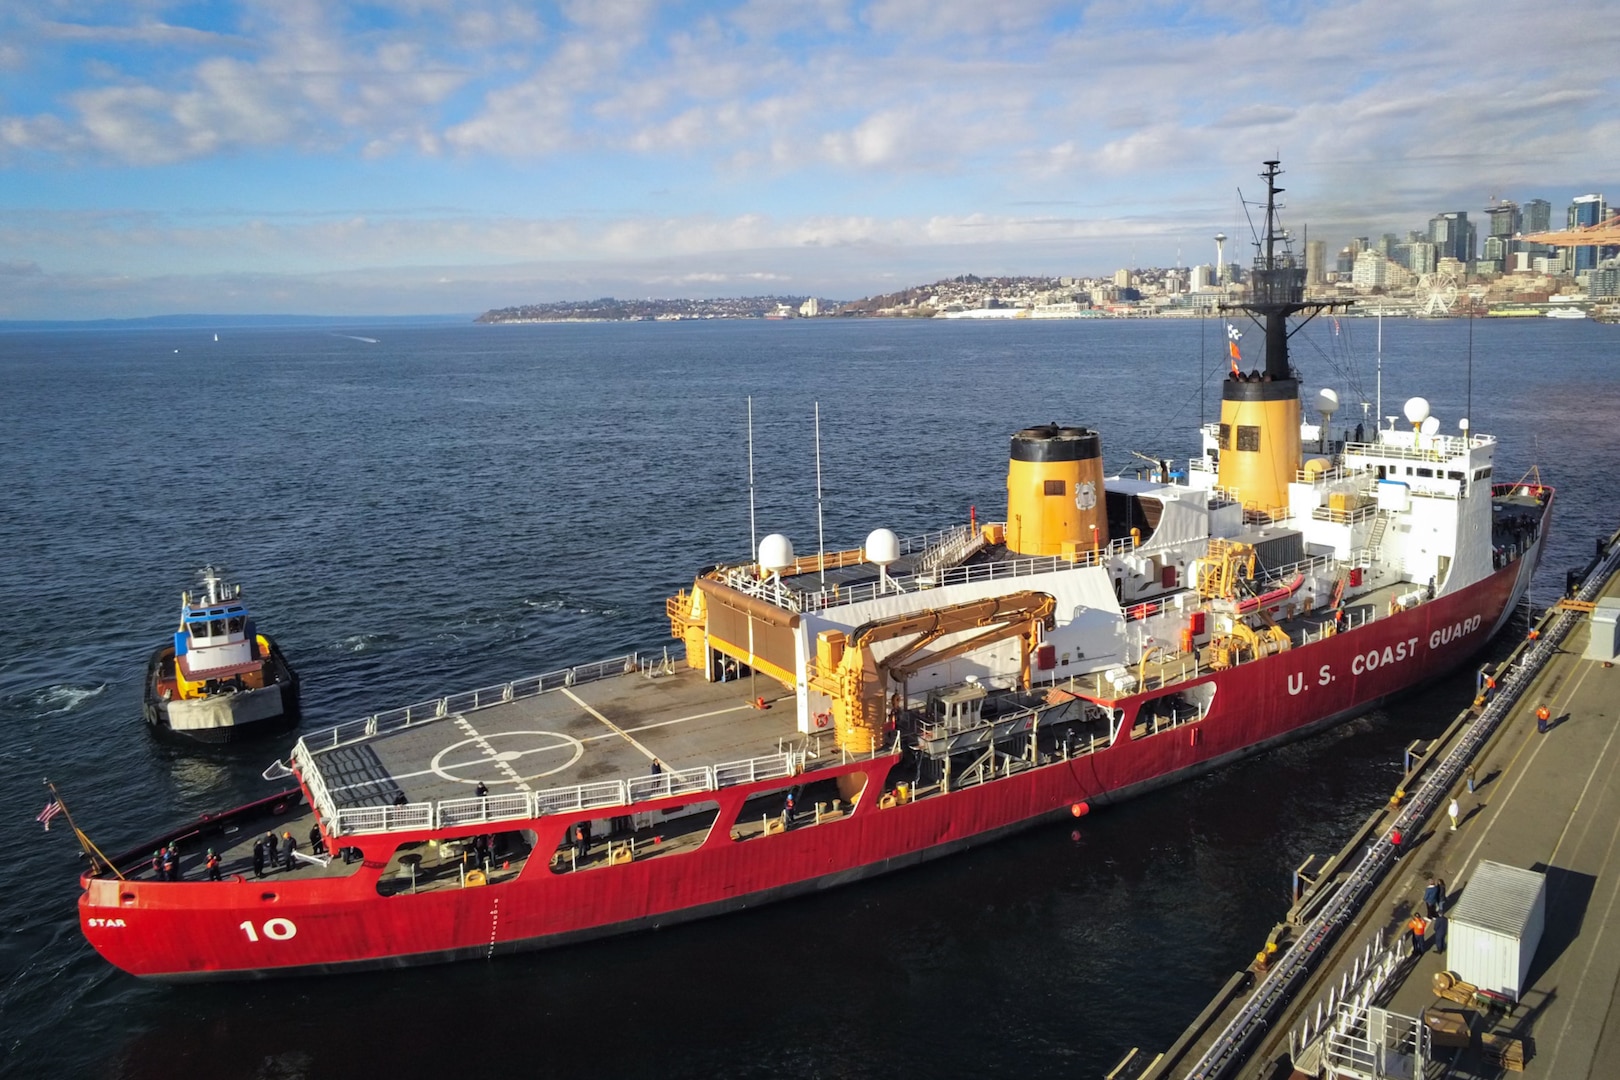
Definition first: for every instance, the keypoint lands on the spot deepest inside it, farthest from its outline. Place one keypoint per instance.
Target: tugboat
(905, 700)
(220, 680)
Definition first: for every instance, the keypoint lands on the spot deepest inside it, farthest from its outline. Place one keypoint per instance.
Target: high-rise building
(1315, 262)
(1372, 270)
(1586, 210)
(1122, 279)
(1346, 262)
(1420, 257)
(1453, 235)
(1505, 225)
(1537, 215)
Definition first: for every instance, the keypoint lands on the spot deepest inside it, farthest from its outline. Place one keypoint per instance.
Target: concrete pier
(1545, 801)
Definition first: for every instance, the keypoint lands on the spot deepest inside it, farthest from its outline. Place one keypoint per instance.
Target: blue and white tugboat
(220, 679)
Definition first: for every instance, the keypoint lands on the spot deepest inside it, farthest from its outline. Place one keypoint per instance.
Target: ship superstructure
(829, 716)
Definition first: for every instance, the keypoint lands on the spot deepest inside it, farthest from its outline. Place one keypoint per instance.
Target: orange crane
(1603, 234)
(858, 683)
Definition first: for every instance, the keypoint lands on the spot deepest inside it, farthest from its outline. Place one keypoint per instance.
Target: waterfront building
(1371, 270)
(1315, 262)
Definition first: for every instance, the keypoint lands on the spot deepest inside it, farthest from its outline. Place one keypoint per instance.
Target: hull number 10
(274, 929)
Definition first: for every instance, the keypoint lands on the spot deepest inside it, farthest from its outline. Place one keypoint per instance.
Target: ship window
(1425, 472)
(199, 629)
(1248, 437)
(1457, 476)
(818, 802)
(456, 862)
(1225, 441)
(236, 624)
(216, 628)
(1056, 487)
(623, 839)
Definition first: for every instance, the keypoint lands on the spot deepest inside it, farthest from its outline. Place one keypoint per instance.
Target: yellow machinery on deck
(846, 670)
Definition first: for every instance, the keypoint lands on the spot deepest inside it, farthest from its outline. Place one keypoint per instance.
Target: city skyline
(422, 157)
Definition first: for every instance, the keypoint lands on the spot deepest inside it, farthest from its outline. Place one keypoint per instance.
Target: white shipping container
(1492, 933)
(1604, 643)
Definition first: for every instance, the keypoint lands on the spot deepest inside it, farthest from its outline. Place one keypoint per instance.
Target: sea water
(446, 507)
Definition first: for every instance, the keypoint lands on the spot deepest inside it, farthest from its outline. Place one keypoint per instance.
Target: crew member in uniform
(212, 863)
(292, 845)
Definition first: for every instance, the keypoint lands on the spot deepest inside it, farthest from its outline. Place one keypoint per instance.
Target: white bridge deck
(587, 745)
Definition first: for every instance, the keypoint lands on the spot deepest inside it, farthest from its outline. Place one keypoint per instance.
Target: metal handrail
(439, 708)
(957, 575)
(1316, 936)
(1431, 448)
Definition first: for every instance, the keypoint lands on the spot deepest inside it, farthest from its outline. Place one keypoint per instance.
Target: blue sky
(427, 156)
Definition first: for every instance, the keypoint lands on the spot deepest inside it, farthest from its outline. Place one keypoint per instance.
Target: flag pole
(91, 852)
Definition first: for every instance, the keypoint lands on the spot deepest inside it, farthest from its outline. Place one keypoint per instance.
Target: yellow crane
(847, 671)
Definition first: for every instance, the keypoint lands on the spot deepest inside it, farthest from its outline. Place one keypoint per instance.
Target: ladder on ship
(953, 551)
(1376, 537)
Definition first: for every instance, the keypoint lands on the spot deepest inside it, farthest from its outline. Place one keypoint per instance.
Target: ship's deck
(610, 729)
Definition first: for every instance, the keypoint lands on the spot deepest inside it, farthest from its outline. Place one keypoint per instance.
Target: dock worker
(1431, 897)
(1395, 840)
(292, 846)
(212, 862)
(1419, 927)
(1454, 811)
(1543, 719)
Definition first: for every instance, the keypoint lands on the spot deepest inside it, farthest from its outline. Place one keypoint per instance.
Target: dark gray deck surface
(605, 730)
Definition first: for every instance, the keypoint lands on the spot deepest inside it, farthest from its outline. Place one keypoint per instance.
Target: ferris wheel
(1437, 293)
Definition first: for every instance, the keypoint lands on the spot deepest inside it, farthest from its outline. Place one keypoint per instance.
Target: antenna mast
(753, 530)
(821, 535)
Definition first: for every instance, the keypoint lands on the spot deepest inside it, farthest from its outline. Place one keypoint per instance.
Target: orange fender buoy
(1080, 809)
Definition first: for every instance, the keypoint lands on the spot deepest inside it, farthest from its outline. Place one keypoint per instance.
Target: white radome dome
(775, 552)
(1327, 401)
(882, 547)
(1430, 425)
(1417, 410)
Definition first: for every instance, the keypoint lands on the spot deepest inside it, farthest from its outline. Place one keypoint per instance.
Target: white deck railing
(524, 805)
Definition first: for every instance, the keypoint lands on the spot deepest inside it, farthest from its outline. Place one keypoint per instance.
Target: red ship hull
(190, 930)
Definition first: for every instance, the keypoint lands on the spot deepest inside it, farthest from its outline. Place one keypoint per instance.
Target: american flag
(52, 808)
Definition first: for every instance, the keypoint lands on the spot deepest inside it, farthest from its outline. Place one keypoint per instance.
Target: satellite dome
(1430, 425)
(1462, 425)
(1327, 401)
(882, 547)
(1417, 410)
(775, 552)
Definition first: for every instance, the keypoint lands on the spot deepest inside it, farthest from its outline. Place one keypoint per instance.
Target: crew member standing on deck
(212, 862)
(292, 846)
(258, 858)
(272, 848)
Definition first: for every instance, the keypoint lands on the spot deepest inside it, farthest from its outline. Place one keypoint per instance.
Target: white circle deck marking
(558, 744)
